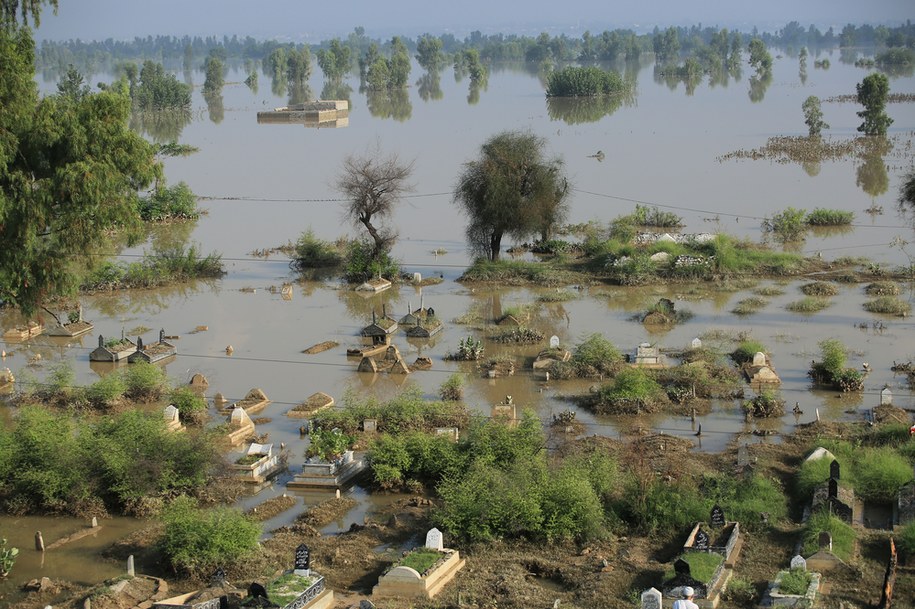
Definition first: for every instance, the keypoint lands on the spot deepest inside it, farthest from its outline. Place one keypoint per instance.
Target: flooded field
(265, 184)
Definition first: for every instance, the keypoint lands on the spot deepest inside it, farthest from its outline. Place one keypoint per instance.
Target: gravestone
(651, 599)
(239, 417)
(717, 516)
(696, 344)
(833, 488)
(825, 541)
(199, 381)
(434, 540)
(798, 562)
(886, 397)
(219, 577)
(554, 342)
(370, 425)
(701, 542)
(743, 456)
(347, 456)
(759, 359)
(255, 590)
(94, 522)
(834, 470)
(171, 413)
(302, 563)
(130, 568)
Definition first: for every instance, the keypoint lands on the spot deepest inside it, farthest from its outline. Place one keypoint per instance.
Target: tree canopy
(511, 189)
(70, 169)
(872, 94)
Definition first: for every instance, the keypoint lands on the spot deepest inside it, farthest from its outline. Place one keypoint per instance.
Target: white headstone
(370, 425)
(651, 599)
(696, 344)
(554, 342)
(759, 359)
(886, 397)
(171, 413)
(417, 277)
(434, 540)
(798, 562)
(260, 449)
(240, 417)
(130, 569)
(347, 456)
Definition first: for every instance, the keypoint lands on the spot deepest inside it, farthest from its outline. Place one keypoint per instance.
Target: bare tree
(372, 185)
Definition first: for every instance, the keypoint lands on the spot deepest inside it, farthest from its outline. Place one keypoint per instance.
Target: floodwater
(267, 183)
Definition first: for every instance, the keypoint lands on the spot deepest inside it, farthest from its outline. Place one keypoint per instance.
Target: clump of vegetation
(106, 391)
(769, 290)
(745, 351)
(196, 541)
(521, 335)
(702, 565)
(882, 288)
(808, 304)
(515, 272)
(795, 581)
(592, 357)
(311, 252)
(145, 381)
(645, 216)
(287, 587)
(888, 305)
(749, 306)
(831, 370)
(589, 81)
(632, 391)
(787, 225)
(829, 217)
(740, 591)
(329, 444)
(469, 349)
(163, 266)
(560, 295)
(906, 539)
(879, 473)
(362, 263)
(420, 559)
(453, 388)
(765, 405)
(820, 288)
(192, 407)
(169, 203)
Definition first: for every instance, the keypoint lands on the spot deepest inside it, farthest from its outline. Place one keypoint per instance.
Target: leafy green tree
(667, 45)
(298, 65)
(813, 116)
(213, 67)
(73, 85)
(760, 58)
(872, 94)
(196, 541)
(69, 172)
(429, 53)
(158, 90)
(372, 185)
(573, 81)
(336, 60)
(11, 10)
(511, 189)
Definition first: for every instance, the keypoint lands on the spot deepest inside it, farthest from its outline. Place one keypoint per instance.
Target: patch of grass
(906, 539)
(820, 288)
(746, 350)
(632, 390)
(882, 288)
(810, 304)
(769, 290)
(420, 559)
(702, 565)
(829, 217)
(749, 306)
(560, 295)
(795, 581)
(287, 587)
(879, 473)
(888, 305)
(514, 272)
(843, 536)
(787, 225)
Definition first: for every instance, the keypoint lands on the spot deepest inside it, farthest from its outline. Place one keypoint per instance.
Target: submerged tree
(760, 58)
(813, 116)
(372, 185)
(872, 94)
(511, 189)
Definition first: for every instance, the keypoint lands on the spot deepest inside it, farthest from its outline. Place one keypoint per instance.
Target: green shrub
(658, 507)
(740, 591)
(888, 305)
(145, 381)
(879, 473)
(61, 382)
(906, 539)
(329, 444)
(172, 202)
(795, 581)
(829, 217)
(360, 265)
(453, 388)
(810, 475)
(630, 390)
(197, 541)
(749, 306)
(107, 390)
(191, 406)
(571, 507)
(654, 217)
(745, 498)
(573, 81)
(595, 355)
(311, 252)
(843, 536)
(808, 304)
(746, 350)
(820, 288)
(831, 369)
(787, 225)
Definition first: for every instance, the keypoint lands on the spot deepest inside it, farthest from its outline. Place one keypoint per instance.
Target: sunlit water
(662, 149)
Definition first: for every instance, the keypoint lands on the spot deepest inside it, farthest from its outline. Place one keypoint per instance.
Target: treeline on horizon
(93, 56)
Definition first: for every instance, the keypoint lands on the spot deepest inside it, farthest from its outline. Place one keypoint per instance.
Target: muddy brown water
(662, 149)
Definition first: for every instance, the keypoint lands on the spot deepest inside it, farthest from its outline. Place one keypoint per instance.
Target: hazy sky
(315, 21)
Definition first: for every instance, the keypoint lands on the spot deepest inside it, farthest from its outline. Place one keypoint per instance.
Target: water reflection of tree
(430, 86)
(299, 92)
(278, 84)
(215, 108)
(577, 110)
(336, 89)
(872, 176)
(669, 76)
(812, 168)
(393, 103)
(162, 126)
(120, 303)
(171, 235)
(759, 83)
(359, 305)
(898, 70)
